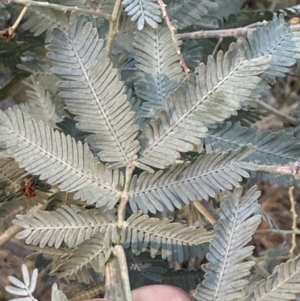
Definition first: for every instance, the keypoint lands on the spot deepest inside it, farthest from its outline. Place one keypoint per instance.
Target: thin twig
(230, 32)
(8, 33)
(261, 269)
(204, 211)
(294, 225)
(217, 46)
(282, 232)
(15, 229)
(172, 30)
(10, 233)
(114, 25)
(279, 115)
(20, 17)
(190, 220)
(281, 169)
(63, 8)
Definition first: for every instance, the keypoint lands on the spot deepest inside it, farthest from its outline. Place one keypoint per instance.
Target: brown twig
(230, 32)
(281, 169)
(172, 30)
(279, 115)
(294, 225)
(15, 229)
(220, 33)
(63, 8)
(8, 33)
(217, 46)
(113, 25)
(282, 232)
(20, 17)
(190, 220)
(204, 211)
(10, 233)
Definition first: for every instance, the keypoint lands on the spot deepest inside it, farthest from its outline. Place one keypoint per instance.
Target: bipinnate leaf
(270, 147)
(277, 39)
(143, 11)
(226, 269)
(205, 177)
(68, 225)
(11, 174)
(283, 284)
(39, 103)
(90, 253)
(58, 158)
(159, 68)
(174, 241)
(43, 19)
(216, 91)
(94, 93)
(23, 289)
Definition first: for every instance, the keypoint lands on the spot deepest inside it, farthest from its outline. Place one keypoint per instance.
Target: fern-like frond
(160, 71)
(195, 51)
(87, 294)
(215, 93)
(8, 211)
(68, 126)
(92, 90)
(23, 289)
(270, 147)
(39, 103)
(191, 12)
(185, 183)
(174, 241)
(278, 40)
(11, 174)
(67, 224)
(50, 252)
(143, 269)
(283, 284)
(144, 12)
(59, 159)
(91, 253)
(225, 271)
(43, 19)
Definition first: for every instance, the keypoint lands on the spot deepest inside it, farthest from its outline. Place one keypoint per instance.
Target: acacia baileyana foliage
(109, 134)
